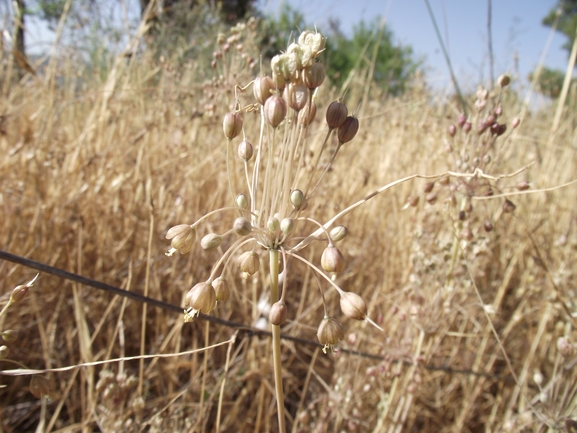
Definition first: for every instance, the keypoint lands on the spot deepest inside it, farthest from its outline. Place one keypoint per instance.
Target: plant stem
(274, 297)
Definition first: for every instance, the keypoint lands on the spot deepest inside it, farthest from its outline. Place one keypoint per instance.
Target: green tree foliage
(567, 24)
(550, 82)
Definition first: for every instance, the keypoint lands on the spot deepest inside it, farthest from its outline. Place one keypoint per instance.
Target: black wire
(250, 331)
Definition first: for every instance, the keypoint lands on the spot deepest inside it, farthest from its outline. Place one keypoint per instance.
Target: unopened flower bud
(308, 114)
(4, 352)
(248, 262)
(314, 75)
(499, 111)
(330, 332)
(210, 241)
(353, 306)
(565, 347)
(452, 130)
(504, 80)
(428, 187)
(508, 206)
(10, 335)
(19, 293)
(515, 122)
(287, 225)
(338, 233)
(413, 200)
(40, 387)
(245, 150)
(242, 226)
(232, 124)
(261, 88)
(523, 185)
(488, 225)
(298, 95)
(467, 127)
(297, 197)
(278, 312)
(348, 129)
(461, 120)
(200, 299)
(181, 237)
(336, 114)
(275, 110)
(221, 289)
(241, 201)
(332, 260)
(273, 224)
(466, 234)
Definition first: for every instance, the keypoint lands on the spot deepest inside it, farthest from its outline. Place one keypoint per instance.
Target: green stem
(274, 297)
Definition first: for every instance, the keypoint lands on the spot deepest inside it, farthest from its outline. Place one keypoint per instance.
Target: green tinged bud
(210, 241)
(338, 233)
(242, 201)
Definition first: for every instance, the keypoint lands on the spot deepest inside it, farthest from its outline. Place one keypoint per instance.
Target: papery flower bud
(298, 95)
(4, 352)
(19, 293)
(10, 335)
(181, 237)
(337, 113)
(275, 110)
(40, 387)
(221, 289)
(278, 312)
(248, 262)
(314, 75)
(338, 233)
(307, 115)
(287, 225)
(330, 332)
(332, 260)
(242, 226)
(297, 197)
(232, 124)
(241, 201)
(348, 129)
(261, 88)
(200, 299)
(210, 241)
(245, 150)
(353, 306)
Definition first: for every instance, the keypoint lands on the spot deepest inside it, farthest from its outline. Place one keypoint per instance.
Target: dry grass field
(473, 284)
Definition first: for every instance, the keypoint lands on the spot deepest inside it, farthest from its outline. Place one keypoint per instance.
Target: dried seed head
(297, 197)
(200, 299)
(314, 75)
(241, 201)
(278, 312)
(210, 241)
(245, 150)
(330, 332)
(332, 260)
(348, 129)
(4, 352)
(242, 226)
(181, 237)
(10, 335)
(338, 233)
(221, 289)
(308, 114)
(565, 347)
(248, 262)
(452, 130)
(298, 95)
(287, 225)
(508, 206)
(232, 124)
(336, 114)
(275, 110)
(40, 387)
(353, 306)
(504, 80)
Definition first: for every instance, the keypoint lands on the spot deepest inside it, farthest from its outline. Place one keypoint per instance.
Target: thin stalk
(274, 297)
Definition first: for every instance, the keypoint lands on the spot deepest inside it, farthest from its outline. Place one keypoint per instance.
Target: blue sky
(517, 32)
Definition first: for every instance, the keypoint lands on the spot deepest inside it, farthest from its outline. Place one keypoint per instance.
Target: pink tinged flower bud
(232, 125)
(210, 241)
(221, 289)
(181, 237)
(498, 111)
(348, 129)
(275, 110)
(245, 150)
(336, 114)
(40, 387)
(278, 312)
(353, 306)
(515, 122)
(452, 130)
(307, 115)
(298, 95)
(338, 233)
(332, 260)
(461, 120)
(261, 88)
(242, 226)
(248, 262)
(467, 127)
(488, 226)
(314, 75)
(200, 299)
(330, 332)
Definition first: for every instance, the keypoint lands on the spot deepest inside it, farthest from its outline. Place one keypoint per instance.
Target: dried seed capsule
(275, 110)
(261, 88)
(181, 237)
(332, 260)
(278, 312)
(210, 241)
(353, 306)
(338, 233)
(221, 289)
(245, 150)
(297, 197)
(498, 111)
(200, 299)
(314, 75)
(298, 95)
(348, 129)
(336, 114)
(242, 226)
(248, 262)
(232, 124)
(330, 332)
(242, 201)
